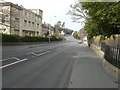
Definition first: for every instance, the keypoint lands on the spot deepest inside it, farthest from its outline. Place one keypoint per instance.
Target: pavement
(53, 65)
(88, 72)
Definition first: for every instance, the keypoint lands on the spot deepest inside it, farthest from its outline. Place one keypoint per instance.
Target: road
(47, 65)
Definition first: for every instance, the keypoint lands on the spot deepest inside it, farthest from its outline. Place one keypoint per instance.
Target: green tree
(76, 35)
(101, 18)
(105, 15)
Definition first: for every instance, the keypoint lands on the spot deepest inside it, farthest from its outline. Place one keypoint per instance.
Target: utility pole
(50, 29)
(49, 32)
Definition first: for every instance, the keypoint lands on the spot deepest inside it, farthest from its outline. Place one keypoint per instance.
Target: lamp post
(49, 32)
(50, 29)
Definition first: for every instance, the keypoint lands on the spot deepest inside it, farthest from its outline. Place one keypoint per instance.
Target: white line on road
(39, 50)
(9, 58)
(21, 60)
(6, 59)
(13, 63)
(43, 53)
(16, 58)
(34, 52)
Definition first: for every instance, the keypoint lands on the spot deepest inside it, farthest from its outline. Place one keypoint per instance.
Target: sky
(53, 11)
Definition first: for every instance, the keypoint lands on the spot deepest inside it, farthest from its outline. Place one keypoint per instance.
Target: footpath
(88, 71)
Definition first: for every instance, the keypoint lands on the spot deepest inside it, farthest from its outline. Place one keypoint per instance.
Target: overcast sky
(53, 10)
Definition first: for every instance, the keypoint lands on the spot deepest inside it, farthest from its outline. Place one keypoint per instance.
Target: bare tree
(77, 13)
(4, 16)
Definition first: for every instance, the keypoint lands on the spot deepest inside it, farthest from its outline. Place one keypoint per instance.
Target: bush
(10, 38)
(56, 37)
(43, 38)
(90, 39)
(27, 39)
(53, 38)
(16, 38)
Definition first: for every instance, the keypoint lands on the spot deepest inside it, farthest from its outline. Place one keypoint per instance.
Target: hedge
(10, 38)
(16, 38)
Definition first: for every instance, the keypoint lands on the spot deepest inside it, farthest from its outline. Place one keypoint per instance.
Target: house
(47, 29)
(20, 21)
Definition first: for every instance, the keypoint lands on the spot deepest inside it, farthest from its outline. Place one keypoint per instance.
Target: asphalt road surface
(47, 65)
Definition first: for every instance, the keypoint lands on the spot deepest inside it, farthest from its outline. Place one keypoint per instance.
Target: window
(37, 33)
(25, 23)
(25, 13)
(16, 22)
(32, 24)
(33, 15)
(17, 11)
(37, 25)
(30, 34)
(1, 19)
(29, 23)
(29, 15)
(16, 31)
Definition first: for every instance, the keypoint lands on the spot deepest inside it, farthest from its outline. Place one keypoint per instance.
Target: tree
(58, 27)
(76, 35)
(63, 24)
(104, 14)
(59, 23)
(4, 17)
(77, 12)
(101, 18)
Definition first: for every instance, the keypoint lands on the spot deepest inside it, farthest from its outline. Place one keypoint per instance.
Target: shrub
(10, 38)
(26, 39)
(53, 38)
(16, 38)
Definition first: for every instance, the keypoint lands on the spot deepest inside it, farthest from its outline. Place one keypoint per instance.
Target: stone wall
(113, 42)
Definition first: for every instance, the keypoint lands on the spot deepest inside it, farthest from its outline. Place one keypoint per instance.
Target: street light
(49, 32)
(50, 28)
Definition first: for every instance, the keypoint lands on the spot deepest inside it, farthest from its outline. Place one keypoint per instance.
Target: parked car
(80, 41)
(85, 41)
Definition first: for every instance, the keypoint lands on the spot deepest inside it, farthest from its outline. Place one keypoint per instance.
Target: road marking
(21, 60)
(30, 53)
(16, 58)
(77, 56)
(6, 59)
(34, 52)
(9, 58)
(39, 50)
(59, 48)
(43, 53)
(13, 63)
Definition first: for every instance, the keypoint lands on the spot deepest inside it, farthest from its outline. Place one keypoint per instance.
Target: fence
(112, 54)
(103, 45)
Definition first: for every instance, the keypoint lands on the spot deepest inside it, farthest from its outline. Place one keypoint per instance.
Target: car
(80, 41)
